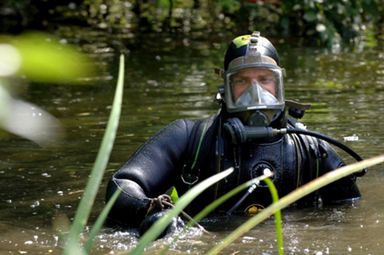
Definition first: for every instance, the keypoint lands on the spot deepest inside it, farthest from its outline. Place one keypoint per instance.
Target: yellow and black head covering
(240, 46)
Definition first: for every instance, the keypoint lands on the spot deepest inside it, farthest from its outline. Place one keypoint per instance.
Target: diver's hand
(175, 225)
(158, 207)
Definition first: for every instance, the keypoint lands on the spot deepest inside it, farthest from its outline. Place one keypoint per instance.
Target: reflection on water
(41, 187)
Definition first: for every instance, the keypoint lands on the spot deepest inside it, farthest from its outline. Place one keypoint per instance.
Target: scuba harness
(191, 170)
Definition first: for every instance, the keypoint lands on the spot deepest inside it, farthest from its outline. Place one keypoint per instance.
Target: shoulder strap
(190, 173)
(313, 152)
(310, 147)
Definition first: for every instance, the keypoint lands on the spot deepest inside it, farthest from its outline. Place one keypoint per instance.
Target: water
(170, 78)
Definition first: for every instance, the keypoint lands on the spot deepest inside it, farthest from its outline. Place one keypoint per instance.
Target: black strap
(191, 171)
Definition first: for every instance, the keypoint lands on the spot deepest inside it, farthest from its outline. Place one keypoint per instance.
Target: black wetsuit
(192, 150)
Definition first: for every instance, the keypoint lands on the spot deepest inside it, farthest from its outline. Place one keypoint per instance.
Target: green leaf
(310, 16)
(212, 206)
(279, 229)
(159, 226)
(45, 59)
(95, 178)
(100, 221)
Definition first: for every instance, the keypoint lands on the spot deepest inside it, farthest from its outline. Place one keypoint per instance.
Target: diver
(255, 129)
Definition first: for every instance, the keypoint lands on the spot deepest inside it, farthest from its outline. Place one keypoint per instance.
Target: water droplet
(35, 204)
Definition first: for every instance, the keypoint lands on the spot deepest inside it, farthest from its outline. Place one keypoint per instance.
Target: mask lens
(255, 88)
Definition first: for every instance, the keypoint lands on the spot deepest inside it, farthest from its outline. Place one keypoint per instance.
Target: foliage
(330, 21)
(322, 22)
(44, 59)
(326, 21)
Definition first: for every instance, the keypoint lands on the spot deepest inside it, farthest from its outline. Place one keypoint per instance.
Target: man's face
(242, 80)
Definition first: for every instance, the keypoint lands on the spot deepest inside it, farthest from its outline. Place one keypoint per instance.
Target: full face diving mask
(254, 92)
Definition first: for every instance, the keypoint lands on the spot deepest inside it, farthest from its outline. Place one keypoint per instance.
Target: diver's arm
(343, 190)
(150, 172)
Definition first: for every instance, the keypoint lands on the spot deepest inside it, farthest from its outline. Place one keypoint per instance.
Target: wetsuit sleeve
(150, 172)
(343, 190)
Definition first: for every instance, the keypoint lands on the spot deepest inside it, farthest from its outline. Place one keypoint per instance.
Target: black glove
(176, 224)
(159, 207)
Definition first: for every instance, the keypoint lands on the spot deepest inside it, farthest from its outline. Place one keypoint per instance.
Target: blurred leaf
(45, 59)
(310, 16)
(10, 60)
(27, 120)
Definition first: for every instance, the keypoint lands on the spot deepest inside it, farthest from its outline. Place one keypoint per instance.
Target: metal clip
(252, 47)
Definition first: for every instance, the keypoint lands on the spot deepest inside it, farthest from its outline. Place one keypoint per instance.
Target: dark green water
(168, 79)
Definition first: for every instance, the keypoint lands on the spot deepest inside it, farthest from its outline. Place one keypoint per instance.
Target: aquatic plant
(73, 245)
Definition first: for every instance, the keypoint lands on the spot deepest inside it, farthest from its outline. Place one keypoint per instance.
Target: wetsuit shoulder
(149, 172)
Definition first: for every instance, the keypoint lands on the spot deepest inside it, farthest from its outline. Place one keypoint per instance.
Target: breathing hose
(240, 134)
(329, 140)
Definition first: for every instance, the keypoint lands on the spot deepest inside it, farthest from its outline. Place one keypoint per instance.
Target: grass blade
(87, 200)
(100, 221)
(159, 226)
(212, 206)
(294, 196)
(279, 229)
